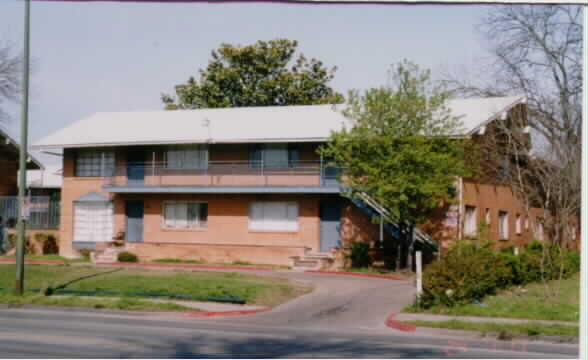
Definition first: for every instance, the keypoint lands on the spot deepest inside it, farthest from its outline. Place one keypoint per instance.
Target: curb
(391, 322)
(185, 266)
(378, 276)
(206, 314)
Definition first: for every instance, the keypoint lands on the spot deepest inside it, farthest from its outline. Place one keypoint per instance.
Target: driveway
(338, 302)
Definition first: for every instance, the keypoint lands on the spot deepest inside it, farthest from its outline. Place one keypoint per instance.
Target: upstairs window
(274, 156)
(186, 157)
(503, 225)
(519, 224)
(539, 232)
(94, 163)
(470, 226)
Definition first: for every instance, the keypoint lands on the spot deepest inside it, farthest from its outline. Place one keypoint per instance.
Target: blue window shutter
(293, 155)
(255, 156)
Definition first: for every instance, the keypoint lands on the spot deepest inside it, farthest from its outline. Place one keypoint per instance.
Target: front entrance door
(330, 214)
(136, 167)
(134, 211)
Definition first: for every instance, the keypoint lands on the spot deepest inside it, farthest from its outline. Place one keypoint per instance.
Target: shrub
(11, 243)
(468, 272)
(126, 256)
(472, 270)
(359, 255)
(85, 253)
(47, 242)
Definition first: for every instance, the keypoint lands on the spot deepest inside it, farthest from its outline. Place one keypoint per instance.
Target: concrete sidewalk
(478, 319)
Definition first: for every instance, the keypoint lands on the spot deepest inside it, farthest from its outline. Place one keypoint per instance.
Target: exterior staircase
(312, 261)
(109, 254)
(372, 208)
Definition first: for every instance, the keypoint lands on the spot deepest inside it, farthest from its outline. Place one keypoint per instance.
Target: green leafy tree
(256, 75)
(402, 147)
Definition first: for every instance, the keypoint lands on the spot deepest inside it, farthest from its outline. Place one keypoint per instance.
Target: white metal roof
(237, 125)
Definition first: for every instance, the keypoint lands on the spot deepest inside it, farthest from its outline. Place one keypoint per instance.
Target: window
(572, 231)
(503, 225)
(93, 221)
(94, 163)
(539, 233)
(470, 225)
(273, 216)
(488, 218)
(519, 224)
(275, 156)
(184, 215)
(526, 223)
(187, 157)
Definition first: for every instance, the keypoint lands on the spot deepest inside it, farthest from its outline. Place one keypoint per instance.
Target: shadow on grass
(51, 289)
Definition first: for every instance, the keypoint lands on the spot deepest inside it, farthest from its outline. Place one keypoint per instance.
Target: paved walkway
(338, 301)
(478, 319)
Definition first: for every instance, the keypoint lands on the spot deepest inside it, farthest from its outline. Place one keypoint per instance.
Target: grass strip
(554, 300)
(123, 303)
(529, 329)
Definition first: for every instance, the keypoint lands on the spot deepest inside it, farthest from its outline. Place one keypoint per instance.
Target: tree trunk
(410, 238)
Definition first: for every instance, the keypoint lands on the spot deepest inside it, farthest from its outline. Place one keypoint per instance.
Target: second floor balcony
(231, 175)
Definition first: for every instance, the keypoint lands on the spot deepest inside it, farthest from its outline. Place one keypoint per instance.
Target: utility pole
(22, 175)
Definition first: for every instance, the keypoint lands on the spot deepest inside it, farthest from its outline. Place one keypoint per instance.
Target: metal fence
(43, 212)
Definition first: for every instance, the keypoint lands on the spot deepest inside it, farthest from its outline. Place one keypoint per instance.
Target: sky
(92, 57)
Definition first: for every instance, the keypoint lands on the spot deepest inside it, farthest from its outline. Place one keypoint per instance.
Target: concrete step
(306, 264)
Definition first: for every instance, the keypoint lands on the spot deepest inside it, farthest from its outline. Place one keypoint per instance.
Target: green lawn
(48, 257)
(202, 262)
(536, 301)
(254, 289)
(504, 330)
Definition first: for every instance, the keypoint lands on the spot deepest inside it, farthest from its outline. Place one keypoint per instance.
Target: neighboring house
(236, 184)
(45, 182)
(44, 191)
(9, 158)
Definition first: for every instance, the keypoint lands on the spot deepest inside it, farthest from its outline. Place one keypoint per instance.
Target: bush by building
(472, 270)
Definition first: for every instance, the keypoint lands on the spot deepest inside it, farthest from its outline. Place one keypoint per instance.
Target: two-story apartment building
(231, 184)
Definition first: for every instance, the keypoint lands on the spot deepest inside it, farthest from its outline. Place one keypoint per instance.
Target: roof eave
(208, 141)
(521, 100)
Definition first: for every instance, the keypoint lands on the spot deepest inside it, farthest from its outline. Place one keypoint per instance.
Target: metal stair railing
(383, 212)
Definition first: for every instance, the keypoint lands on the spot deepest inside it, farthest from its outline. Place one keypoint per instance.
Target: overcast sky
(91, 57)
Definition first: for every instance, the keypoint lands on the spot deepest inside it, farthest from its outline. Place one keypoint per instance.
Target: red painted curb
(225, 313)
(32, 261)
(186, 266)
(387, 277)
(395, 324)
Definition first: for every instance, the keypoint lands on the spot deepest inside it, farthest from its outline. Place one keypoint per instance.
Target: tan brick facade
(226, 238)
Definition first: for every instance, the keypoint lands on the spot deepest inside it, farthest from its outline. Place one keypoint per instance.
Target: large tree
(402, 147)
(536, 50)
(262, 74)
(9, 77)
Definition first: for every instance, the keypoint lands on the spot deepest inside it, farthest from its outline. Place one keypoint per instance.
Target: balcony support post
(153, 167)
(321, 171)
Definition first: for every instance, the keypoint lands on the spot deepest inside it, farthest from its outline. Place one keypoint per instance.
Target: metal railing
(43, 212)
(224, 173)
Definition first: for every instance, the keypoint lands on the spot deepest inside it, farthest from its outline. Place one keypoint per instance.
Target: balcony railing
(224, 173)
